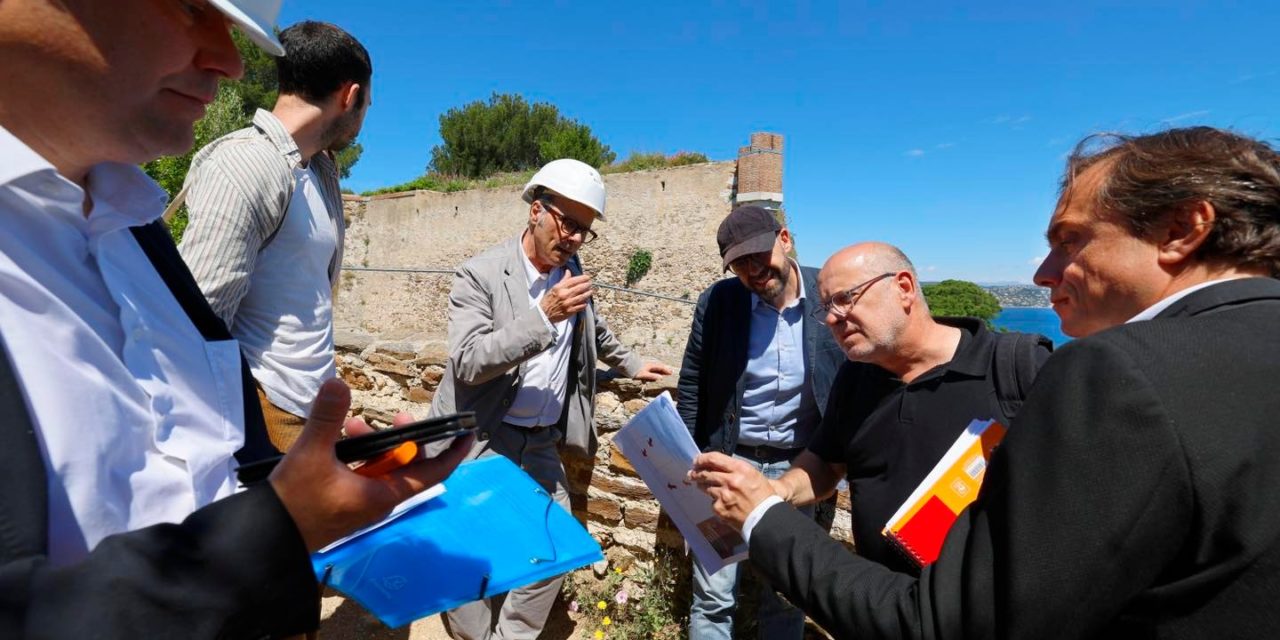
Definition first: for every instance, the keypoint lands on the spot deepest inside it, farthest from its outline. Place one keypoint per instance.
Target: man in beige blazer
(524, 337)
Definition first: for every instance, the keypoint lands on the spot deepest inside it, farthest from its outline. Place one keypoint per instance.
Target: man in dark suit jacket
(756, 373)
(121, 407)
(1135, 493)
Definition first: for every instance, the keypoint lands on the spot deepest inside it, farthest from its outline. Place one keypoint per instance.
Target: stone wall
(673, 213)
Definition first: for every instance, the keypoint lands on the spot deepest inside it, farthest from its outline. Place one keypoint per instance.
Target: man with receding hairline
(913, 385)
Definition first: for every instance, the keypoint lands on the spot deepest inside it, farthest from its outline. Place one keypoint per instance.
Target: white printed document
(659, 446)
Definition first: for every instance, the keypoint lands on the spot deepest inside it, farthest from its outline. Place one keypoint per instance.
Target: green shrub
(507, 133)
(638, 266)
(640, 161)
(961, 298)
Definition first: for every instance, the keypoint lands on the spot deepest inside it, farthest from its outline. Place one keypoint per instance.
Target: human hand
(653, 370)
(735, 486)
(325, 498)
(567, 298)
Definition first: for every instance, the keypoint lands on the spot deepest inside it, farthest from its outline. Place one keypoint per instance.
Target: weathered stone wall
(673, 213)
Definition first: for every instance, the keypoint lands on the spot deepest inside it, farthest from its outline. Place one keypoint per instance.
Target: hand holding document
(658, 445)
(490, 529)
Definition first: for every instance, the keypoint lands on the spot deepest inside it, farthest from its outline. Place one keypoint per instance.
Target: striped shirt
(238, 190)
(264, 241)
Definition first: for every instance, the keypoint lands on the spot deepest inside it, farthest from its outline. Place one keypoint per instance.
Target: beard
(344, 131)
(774, 286)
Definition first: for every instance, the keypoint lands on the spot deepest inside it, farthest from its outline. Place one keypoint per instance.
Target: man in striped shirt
(265, 236)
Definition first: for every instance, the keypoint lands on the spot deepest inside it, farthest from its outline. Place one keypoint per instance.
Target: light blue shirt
(778, 408)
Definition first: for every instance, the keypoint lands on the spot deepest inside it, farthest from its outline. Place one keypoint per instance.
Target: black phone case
(372, 445)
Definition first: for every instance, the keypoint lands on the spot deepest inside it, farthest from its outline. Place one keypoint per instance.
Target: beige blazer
(493, 331)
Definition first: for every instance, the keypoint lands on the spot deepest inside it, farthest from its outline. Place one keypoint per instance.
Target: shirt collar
(756, 300)
(19, 159)
(122, 194)
(970, 358)
(1155, 309)
(274, 130)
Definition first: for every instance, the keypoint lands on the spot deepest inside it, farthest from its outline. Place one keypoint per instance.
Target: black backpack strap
(1015, 363)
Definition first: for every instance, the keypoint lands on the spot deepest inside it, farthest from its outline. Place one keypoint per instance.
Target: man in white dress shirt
(123, 395)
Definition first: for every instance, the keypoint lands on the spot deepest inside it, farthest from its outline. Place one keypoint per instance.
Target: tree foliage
(507, 133)
(961, 298)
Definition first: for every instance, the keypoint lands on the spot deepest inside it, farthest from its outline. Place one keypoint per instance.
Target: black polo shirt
(890, 435)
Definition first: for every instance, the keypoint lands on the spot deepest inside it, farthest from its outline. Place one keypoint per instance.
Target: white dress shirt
(136, 415)
(545, 377)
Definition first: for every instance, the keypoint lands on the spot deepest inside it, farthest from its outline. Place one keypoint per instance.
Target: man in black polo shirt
(914, 384)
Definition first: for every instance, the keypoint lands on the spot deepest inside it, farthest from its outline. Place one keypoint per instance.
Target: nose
(1049, 274)
(217, 52)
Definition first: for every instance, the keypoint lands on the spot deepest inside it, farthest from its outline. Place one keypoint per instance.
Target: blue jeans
(715, 595)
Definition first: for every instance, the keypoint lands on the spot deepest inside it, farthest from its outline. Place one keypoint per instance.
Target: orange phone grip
(389, 461)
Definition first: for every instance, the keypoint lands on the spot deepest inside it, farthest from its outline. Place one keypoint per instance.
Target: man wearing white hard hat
(126, 403)
(524, 337)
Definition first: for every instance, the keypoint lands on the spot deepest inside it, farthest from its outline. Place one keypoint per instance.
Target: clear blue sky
(940, 127)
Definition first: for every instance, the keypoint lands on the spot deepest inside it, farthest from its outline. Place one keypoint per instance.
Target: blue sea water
(1032, 320)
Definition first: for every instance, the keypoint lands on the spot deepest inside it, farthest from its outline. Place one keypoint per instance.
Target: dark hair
(1151, 177)
(318, 59)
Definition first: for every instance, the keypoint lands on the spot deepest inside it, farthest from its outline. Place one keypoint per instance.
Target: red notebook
(921, 524)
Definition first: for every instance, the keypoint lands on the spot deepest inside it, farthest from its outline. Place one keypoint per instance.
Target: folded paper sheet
(492, 530)
(658, 445)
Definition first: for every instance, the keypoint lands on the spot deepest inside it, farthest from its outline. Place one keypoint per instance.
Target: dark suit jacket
(709, 395)
(234, 569)
(1134, 497)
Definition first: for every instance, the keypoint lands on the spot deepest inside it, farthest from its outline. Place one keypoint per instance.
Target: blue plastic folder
(493, 529)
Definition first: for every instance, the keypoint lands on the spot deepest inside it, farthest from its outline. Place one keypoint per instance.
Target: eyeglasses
(568, 226)
(750, 264)
(841, 303)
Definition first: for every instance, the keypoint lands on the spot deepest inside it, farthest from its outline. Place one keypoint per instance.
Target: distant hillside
(1019, 295)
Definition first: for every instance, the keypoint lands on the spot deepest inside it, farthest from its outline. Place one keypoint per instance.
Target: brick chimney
(760, 172)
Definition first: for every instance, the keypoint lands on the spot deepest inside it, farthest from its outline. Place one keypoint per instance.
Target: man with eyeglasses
(524, 337)
(914, 384)
(753, 384)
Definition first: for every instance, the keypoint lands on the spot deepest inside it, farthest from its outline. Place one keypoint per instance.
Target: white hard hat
(256, 18)
(573, 179)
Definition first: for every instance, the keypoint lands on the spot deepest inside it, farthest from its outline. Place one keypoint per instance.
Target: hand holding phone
(379, 452)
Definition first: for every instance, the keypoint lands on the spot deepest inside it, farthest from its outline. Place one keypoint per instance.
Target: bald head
(876, 307)
(878, 257)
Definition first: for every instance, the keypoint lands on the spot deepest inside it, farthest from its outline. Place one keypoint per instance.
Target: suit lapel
(514, 280)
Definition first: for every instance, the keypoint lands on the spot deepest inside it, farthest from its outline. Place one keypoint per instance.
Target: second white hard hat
(573, 179)
(256, 18)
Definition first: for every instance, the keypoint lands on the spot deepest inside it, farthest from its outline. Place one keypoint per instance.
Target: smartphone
(372, 445)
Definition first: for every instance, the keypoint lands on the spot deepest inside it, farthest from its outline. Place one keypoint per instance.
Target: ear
(784, 238)
(349, 96)
(905, 287)
(1186, 231)
(535, 209)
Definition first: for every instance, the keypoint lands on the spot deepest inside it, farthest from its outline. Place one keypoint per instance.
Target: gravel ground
(341, 619)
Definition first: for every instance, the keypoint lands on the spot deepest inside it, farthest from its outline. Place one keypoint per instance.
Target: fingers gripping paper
(658, 445)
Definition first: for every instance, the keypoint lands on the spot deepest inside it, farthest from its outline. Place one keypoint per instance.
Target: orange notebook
(922, 522)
